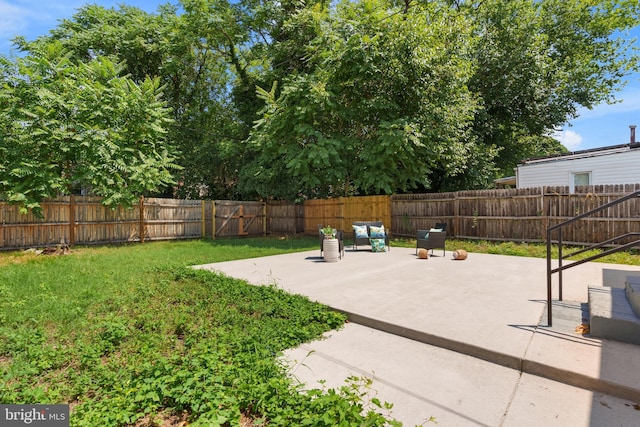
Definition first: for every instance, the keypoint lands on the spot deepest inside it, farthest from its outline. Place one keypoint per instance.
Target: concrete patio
(461, 341)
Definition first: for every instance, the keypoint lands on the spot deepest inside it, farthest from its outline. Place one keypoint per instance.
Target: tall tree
(537, 62)
(385, 105)
(189, 53)
(65, 124)
(532, 65)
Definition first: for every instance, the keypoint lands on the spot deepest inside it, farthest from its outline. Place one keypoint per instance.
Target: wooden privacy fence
(521, 215)
(341, 212)
(75, 220)
(518, 214)
(285, 217)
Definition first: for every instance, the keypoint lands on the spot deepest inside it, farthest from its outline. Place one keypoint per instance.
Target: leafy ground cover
(130, 335)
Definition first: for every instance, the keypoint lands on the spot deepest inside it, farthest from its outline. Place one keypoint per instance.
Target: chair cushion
(436, 230)
(360, 231)
(377, 245)
(377, 232)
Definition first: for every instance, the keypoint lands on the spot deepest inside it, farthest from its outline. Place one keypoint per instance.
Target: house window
(578, 179)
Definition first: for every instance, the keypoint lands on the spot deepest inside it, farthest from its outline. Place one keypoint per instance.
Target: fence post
(213, 219)
(204, 228)
(456, 214)
(342, 202)
(141, 223)
(72, 220)
(264, 218)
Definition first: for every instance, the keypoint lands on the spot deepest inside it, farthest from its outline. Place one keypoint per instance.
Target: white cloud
(31, 18)
(13, 19)
(629, 102)
(568, 138)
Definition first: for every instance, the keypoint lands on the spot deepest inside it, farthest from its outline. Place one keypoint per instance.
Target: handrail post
(549, 296)
(560, 264)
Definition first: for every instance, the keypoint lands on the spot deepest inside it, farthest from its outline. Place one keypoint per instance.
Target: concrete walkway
(459, 340)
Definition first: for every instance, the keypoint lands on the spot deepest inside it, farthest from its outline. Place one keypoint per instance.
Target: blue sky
(32, 18)
(602, 126)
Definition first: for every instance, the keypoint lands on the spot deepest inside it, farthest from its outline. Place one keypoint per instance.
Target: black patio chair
(428, 239)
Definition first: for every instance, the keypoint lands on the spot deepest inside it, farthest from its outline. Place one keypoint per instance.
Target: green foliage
(66, 125)
(386, 103)
(382, 97)
(187, 51)
(135, 336)
(537, 62)
(298, 100)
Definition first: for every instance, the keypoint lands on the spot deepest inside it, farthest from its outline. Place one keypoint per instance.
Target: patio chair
(339, 237)
(431, 239)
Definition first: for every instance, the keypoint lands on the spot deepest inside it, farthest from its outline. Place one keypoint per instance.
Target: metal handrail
(561, 268)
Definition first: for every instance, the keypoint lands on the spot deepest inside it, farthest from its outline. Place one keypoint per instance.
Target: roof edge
(584, 153)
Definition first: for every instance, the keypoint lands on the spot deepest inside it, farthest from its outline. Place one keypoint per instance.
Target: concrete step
(611, 315)
(617, 278)
(632, 290)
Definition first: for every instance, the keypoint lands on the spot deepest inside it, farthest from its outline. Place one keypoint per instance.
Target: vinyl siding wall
(606, 169)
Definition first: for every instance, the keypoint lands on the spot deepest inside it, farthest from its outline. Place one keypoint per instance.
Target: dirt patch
(27, 255)
(55, 250)
(180, 420)
(164, 420)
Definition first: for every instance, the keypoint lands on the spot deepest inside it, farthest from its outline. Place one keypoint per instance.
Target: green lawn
(129, 335)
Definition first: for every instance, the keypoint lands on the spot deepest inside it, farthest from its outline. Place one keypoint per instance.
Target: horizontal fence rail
(521, 215)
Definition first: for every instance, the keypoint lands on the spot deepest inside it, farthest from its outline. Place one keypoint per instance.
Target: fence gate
(234, 218)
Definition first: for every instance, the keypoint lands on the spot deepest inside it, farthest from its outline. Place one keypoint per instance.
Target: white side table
(331, 250)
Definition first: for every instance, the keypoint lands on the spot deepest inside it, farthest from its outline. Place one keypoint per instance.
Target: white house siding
(605, 168)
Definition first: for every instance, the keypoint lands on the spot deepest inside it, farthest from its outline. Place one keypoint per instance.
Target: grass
(534, 250)
(129, 335)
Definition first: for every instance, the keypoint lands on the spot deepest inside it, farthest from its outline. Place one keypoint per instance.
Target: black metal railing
(561, 257)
